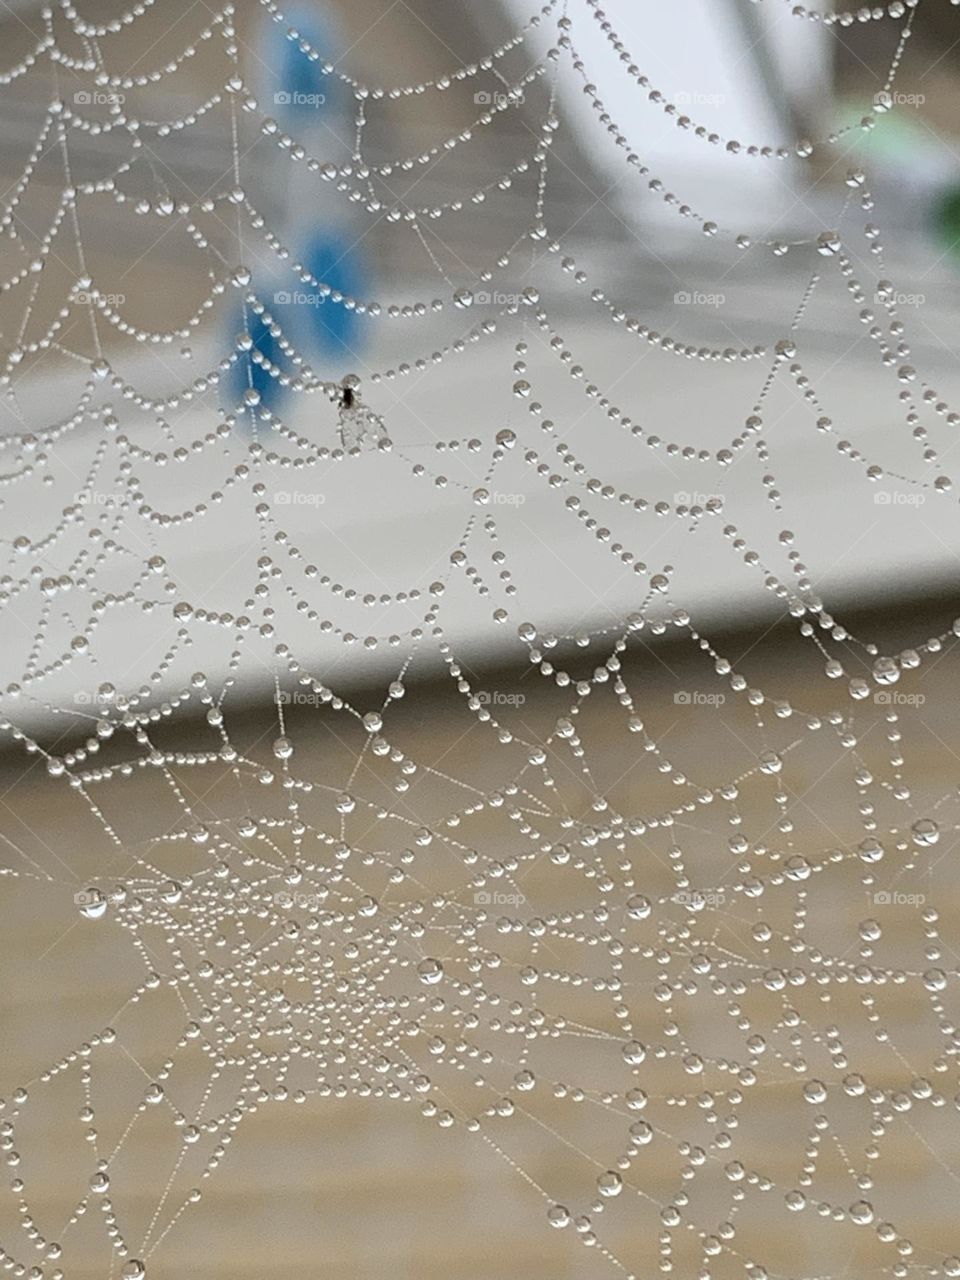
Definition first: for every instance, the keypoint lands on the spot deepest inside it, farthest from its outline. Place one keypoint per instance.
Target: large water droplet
(429, 971)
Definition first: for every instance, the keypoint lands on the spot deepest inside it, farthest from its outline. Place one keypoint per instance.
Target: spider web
(625, 971)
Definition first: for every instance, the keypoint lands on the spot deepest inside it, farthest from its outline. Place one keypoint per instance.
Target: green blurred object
(904, 149)
(946, 218)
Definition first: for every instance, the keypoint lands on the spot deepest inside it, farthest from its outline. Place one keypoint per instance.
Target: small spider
(359, 426)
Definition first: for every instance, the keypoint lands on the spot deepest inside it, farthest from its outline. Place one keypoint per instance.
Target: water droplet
(638, 907)
(92, 903)
(815, 1091)
(861, 1211)
(429, 971)
(634, 1052)
(925, 832)
(641, 1132)
(934, 979)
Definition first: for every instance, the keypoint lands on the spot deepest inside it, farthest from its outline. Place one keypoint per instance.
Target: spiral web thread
(509, 944)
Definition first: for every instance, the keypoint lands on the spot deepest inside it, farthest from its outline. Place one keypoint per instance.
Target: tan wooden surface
(367, 1188)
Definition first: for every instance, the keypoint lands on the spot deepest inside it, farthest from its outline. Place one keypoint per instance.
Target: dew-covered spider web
(684, 989)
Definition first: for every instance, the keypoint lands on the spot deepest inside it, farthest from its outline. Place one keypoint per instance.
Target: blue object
(301, 87)
(314, 108)
(336, 331)
(247, 373)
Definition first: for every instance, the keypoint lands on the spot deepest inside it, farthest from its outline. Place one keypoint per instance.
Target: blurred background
(748, 73)
(217, 173)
